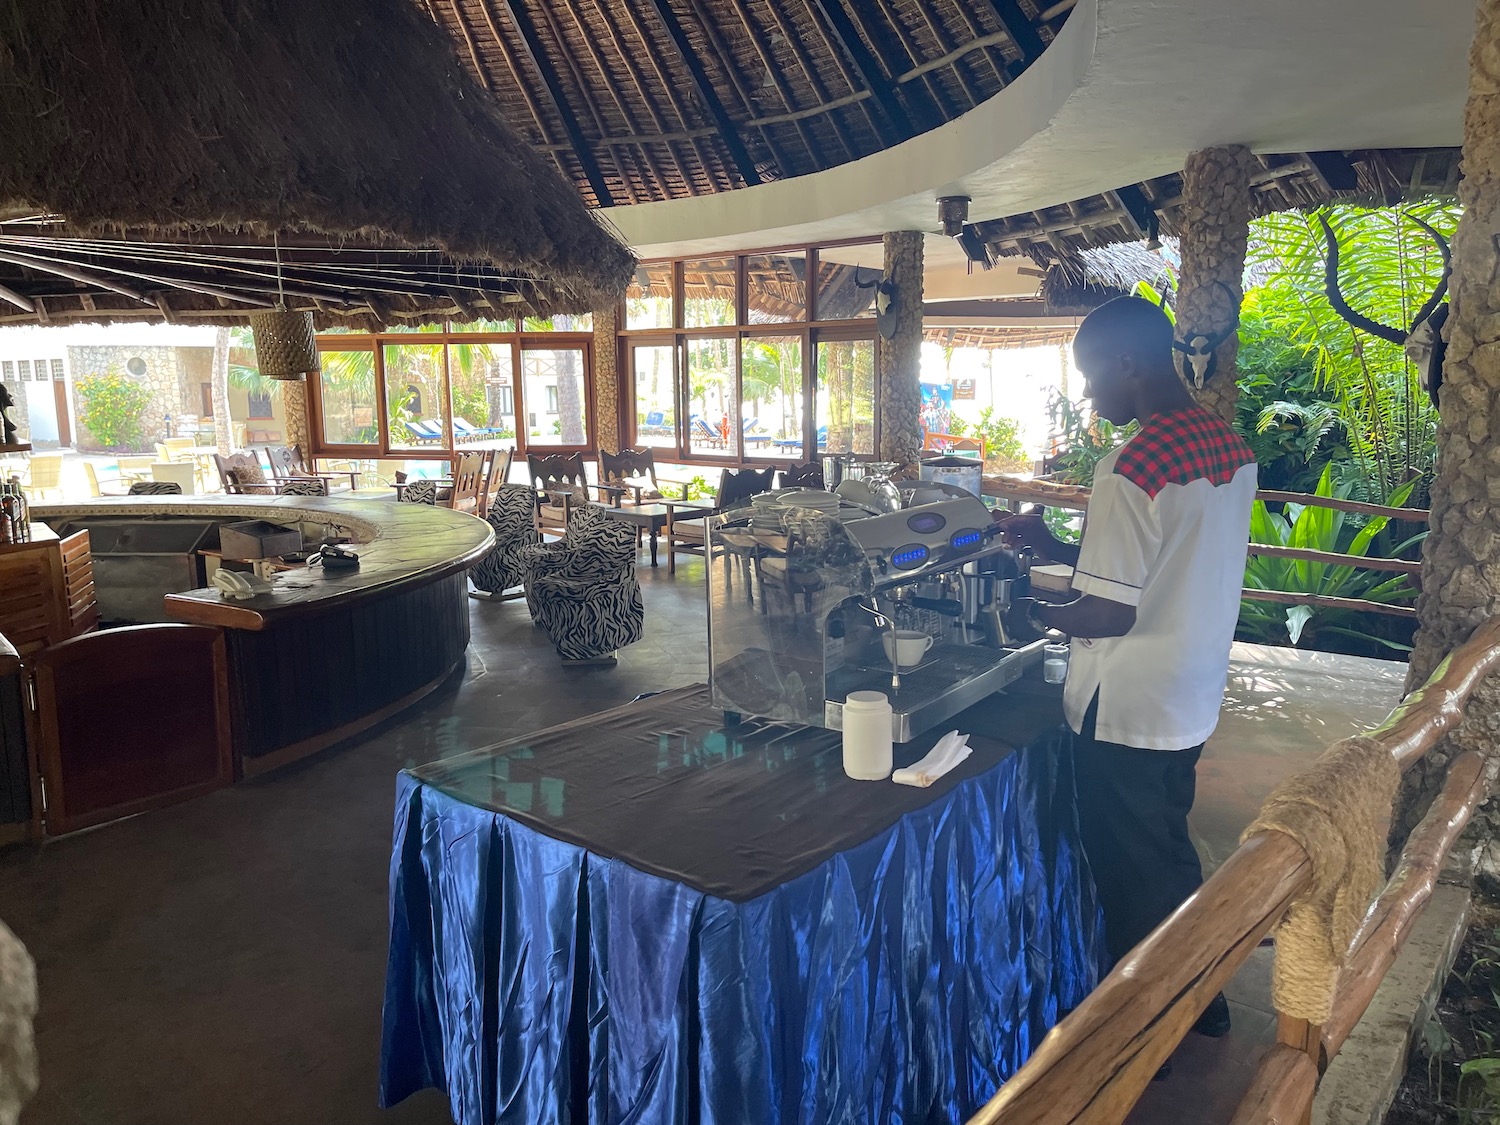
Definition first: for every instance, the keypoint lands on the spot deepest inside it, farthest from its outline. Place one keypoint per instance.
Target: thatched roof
(640, 100)
(1062, 234)
(194, 121)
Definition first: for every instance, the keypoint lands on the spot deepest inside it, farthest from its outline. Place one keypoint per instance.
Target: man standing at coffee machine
(1158, 574)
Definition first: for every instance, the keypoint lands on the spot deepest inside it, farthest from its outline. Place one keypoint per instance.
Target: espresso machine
(804, 603)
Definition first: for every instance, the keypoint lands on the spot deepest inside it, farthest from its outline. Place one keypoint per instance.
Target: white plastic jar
(867, 736)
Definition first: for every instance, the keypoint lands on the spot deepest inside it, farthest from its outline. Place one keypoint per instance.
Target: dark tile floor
(222, 962)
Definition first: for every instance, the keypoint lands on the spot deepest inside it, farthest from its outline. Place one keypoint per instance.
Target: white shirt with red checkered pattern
(1166, 532)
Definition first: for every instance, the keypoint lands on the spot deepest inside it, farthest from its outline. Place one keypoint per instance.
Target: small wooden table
(653, 518)
(692, 510)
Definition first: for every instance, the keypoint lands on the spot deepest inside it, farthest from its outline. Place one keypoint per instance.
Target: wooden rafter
(1022, 31)
(810, 73)
(728, 131)
(847, 44)
(569, 59)
(778, 81)
(536, 54)
(463, 26)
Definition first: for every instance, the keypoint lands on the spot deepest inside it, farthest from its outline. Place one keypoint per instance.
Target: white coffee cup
(908, 647)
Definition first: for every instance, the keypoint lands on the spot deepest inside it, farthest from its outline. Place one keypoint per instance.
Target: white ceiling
(1125, 92)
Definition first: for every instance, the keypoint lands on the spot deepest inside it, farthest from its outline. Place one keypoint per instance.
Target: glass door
(845, 402)
(653, 373)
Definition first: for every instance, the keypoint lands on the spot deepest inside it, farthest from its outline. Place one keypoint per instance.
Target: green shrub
(112, 409)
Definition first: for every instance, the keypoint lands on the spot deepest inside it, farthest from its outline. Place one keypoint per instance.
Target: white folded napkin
(950, 750)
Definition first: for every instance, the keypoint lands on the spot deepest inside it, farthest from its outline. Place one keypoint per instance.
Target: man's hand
(1025, 529)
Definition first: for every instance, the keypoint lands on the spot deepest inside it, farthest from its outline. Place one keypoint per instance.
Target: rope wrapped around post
(1337, 811)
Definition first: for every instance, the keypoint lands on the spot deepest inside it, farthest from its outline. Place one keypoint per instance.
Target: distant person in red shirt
(1158, 576)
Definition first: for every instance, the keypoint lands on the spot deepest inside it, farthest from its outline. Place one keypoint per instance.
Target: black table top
(733, 811)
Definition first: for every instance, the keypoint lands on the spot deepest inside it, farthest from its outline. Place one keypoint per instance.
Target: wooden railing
(1076, 498)
(1095, 1064)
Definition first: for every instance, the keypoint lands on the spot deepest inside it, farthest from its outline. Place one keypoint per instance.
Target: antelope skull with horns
(1423, 342)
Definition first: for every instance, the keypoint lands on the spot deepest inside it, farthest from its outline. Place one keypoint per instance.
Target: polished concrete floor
(222, 962)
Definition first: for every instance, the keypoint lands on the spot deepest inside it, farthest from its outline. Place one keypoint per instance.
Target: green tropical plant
(113, 405)
(1389, 266)
(1083, 439)
(1319, 529)
(1003, 451)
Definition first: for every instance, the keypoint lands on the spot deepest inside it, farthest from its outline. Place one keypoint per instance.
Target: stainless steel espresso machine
(803, 594)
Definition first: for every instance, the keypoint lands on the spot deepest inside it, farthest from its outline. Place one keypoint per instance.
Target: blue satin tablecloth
(846, 952)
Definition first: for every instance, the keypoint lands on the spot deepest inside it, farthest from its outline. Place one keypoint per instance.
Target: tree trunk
(571, 428)
(900, 369)
(1215, 230)
(1461, 558)
(219, 391)
(607, 380)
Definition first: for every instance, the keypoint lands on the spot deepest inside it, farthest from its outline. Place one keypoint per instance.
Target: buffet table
(650, 916)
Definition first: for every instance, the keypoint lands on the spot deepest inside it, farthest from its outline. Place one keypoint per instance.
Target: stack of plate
(768, 510)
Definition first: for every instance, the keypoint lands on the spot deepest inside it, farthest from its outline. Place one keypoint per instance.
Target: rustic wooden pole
(1094, 1065)
(608, 387)
(1462, 553)
(1281, 1091)
(899, 374)
(1215, 230)
(1399, 906)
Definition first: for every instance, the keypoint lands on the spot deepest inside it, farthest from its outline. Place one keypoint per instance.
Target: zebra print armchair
(510, 515)
(584, 592)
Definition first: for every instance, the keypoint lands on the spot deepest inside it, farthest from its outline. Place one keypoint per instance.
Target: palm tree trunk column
(1215, 227)
(607, 379)
(898, 375)
(294, 405)
(1461, 558)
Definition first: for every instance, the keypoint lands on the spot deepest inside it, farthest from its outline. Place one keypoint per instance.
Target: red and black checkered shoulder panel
(1182, 447)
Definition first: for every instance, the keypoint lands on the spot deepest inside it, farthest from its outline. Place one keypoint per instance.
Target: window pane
(846, 396)
(485, 326)
(554, 397)
(414, 404)
(655, 400)
(775, 288)
(481, 382)
(708, 293)
(583, 322)
(710, 378)
(839, 269)
(771, 395)
(347, 392)
(648, 299)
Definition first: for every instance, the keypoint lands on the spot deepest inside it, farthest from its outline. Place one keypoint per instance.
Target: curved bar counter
(326, 654)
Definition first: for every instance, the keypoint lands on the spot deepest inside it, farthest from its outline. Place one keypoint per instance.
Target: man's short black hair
(1129, 326)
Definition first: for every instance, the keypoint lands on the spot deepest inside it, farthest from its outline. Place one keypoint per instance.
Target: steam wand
(883, 621)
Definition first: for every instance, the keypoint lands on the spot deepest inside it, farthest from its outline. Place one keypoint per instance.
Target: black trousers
(1132, 817)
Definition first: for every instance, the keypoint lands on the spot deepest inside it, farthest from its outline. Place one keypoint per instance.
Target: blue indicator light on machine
(905, 558)
(967, 537)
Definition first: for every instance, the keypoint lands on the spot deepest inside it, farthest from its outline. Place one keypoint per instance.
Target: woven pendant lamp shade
(285, 347)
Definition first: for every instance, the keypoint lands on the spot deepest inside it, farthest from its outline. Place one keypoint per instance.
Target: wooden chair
(736, 486)
(809, 475)
(468, 479)
(288, 464)
(497, 463)
(633, 471)
(241, 475)
(561, 484)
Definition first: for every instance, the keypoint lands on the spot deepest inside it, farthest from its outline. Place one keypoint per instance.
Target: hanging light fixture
(285, 344)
